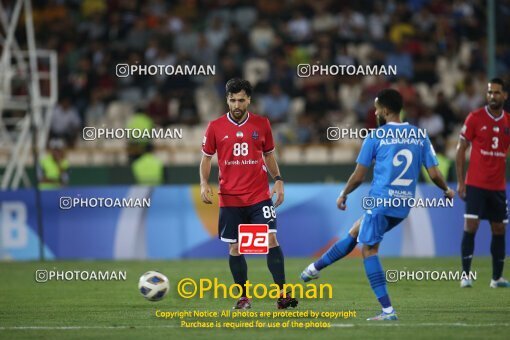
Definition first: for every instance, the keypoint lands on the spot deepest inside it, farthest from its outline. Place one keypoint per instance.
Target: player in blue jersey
(398, 151)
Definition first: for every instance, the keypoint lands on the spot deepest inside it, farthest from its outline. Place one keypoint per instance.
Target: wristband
(278, 178)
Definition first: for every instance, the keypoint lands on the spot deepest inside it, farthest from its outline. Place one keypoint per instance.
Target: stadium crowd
(438, 46)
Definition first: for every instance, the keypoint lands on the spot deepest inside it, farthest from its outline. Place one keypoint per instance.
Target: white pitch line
(425, 324)
(337, 325)
(81, 327)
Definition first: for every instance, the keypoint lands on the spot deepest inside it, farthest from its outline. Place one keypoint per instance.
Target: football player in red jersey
(245, 148)
(487, 130)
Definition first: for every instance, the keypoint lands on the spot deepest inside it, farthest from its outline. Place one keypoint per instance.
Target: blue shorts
(374, 226)
(231, 217)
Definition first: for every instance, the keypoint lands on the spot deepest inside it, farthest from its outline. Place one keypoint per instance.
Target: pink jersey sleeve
(468, 130)
(209, 141)
(268, 141)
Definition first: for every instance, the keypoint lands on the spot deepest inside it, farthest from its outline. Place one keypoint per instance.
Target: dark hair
(390, 99)
(236, 85)
(500, 82)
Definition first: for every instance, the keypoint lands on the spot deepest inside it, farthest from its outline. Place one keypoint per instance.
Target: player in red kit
(245, 148)
(487, 130)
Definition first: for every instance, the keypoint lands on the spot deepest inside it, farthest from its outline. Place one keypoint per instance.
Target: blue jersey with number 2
(398, 155)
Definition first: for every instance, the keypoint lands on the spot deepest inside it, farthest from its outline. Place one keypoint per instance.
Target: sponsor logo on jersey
(239, 134)
(400, 193)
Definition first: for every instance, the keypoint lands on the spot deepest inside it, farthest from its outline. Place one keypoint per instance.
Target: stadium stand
(437, 46)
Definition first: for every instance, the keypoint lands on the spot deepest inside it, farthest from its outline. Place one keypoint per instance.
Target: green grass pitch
(115, 309)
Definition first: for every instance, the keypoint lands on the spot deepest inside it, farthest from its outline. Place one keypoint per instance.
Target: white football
(153, 285)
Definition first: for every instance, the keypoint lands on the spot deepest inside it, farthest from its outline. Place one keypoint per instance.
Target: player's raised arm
(205, 171)
(460, 166)
(274, 171)
(357, 177)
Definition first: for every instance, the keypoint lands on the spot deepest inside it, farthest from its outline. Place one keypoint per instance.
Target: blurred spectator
(188, 113)
(276, 104)
(158, 110)
(400, 27)
(363, 106)
(351, 25)
(262, 37)
(115, 30)
(317, 109)
(402, 60)
(317, 105)
(444, 109)
(174, 24)
(377, 21)
(217, 33)
(414, 110)
(96, 110)
(136, 146)
(139, 36)
(425, 65)
(157, 8)
(95, 28)
(445, 164)
(477, 60)
(299, 28)
(424, 21)
(323, 20)
(431, 122)
(245, 16)
(52, 170)
(164, 57)
(78, 84)
(91, 7)
(416, 35)
(187, 40)
(304, 131)
(151, 51)
(371, 120)
(148, 169)
(343, 57)
(65, 122)
(407, 90)
(283, 75)
(103, 84)
(203, 54)
(468, 99)
(379, 83)
(271, 8)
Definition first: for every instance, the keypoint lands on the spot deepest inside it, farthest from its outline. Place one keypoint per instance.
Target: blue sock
(377, 280)
(336, 252)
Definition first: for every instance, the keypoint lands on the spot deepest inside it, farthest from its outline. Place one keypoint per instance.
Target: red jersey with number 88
(489, 137)
(240, 147)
